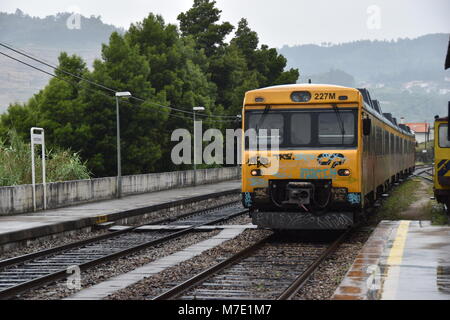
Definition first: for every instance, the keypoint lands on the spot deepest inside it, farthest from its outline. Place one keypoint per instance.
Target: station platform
(402, 260)
(21, 227)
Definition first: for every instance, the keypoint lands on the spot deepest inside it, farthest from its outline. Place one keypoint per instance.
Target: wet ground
(407, 259)
(415, 210)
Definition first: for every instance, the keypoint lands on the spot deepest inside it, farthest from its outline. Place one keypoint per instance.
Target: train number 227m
(325, 96)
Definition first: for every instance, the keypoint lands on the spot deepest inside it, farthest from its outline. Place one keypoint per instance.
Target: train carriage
(332, 154)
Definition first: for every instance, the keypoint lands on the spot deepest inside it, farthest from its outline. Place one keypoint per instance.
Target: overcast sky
(278, 22)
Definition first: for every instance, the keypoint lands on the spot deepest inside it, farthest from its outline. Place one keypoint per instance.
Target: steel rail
(201, 277)
(295, 287)
(25, 286)
(178, 290)
(43, 253)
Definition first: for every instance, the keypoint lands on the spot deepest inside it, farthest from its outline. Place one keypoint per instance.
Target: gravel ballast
(325, 280)
(53, 241)
(153, 286)
(105, 271)
(320, 286)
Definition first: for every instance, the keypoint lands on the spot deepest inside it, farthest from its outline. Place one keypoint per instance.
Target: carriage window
(379, 141)
(301, 128)
(443, 142)
(330, 132)
(392, 148)
(386, 142)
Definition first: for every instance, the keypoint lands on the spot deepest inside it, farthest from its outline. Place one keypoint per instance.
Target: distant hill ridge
(402, 60)
(53, 31)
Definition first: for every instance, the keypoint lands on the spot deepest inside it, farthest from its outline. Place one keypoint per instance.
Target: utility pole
(119, 160)
(195, 144)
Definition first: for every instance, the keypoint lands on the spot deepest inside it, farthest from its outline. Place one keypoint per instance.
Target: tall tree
(178, 70)
(57, 108)
(124, 69)
(246, 40)
(201, 22)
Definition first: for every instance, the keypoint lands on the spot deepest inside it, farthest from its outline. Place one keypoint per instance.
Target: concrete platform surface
(32, 225)
(402, 260)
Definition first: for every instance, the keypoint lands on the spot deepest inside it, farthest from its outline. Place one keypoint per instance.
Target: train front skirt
(303, 220)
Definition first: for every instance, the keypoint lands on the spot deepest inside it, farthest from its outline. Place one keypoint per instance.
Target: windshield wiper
(261, 120)
(340, 121)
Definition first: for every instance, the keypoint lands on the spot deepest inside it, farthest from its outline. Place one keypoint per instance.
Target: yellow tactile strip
(362, 279)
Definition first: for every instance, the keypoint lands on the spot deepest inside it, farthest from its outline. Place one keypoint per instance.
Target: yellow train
(441, 177)
(315, 156)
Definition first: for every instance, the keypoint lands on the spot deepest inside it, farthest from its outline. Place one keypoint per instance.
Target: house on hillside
(422, 130)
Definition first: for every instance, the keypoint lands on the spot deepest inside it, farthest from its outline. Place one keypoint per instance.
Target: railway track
(270, 269)
(424, 172)
(23, 273)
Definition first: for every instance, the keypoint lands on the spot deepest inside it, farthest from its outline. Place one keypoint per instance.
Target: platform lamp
(124, 94)
(194, 109)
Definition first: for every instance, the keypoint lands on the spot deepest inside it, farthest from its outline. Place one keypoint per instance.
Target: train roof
(441, 119)
(301, 86)
(282, 94)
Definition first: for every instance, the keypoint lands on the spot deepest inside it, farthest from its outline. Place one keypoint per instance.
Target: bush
(15, 163)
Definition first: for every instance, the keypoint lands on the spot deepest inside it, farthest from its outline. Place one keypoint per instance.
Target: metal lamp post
(195, 145)
(119, 167)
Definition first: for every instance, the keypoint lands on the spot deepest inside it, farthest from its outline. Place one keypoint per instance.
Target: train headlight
(344, 172)
(255, 172)
(301, 96)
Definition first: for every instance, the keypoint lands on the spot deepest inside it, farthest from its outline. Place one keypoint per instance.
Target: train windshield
(304, 128)
(443, 142)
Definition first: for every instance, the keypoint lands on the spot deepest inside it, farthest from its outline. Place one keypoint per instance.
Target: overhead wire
(28, 55)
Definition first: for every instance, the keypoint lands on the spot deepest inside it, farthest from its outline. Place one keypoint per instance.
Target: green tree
(201, 22)
(271, 65)
(246, 40)
(178, 70)
(57, 108)
(266, 61)
(162, 66)
(124, 69)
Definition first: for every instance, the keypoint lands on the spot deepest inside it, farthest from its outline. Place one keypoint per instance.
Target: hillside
(44, 38)
(406, 75)
(376, 61)
(53, 31)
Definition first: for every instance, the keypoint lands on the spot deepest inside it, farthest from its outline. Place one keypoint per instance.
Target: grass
(400, 199)
(15, 163)
(403, 196)
(425, 158)
(436, 213)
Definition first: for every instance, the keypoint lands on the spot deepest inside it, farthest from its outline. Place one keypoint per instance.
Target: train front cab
(441, 169)
(339, 181)
(318, 165)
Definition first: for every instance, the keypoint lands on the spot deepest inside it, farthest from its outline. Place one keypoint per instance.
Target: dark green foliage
(201, 23)
(15, 163)
(162, 66)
